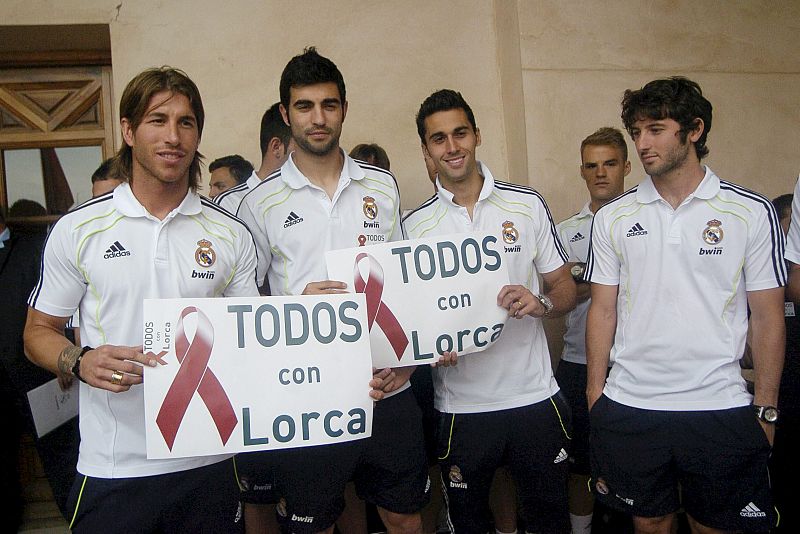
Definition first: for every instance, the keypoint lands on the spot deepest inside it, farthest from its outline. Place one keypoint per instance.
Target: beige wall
(540, 74)
(577, 62)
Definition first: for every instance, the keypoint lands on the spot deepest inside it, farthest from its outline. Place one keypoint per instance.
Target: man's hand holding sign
(383, 380)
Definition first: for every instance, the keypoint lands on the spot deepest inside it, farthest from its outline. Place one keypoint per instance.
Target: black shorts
(530, 440)
(256, 474)
(197, 500)
(571, 378)
(389, 470)
(422, 386)
(718, 457)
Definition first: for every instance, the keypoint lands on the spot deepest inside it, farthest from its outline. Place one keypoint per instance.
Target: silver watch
(547, 303)
(768, 414)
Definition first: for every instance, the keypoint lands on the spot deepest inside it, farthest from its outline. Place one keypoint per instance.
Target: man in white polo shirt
(320, 200)
(604, 166)
(153, 237)
(675, 264)
(793, 248)
(499, 407)
(276, 143)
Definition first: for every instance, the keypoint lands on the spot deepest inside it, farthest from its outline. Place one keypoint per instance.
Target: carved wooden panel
(54, 107)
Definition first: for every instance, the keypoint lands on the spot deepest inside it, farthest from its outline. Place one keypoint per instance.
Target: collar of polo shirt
(486, 190)
(708, 188)
(126, 203)
(295, 179)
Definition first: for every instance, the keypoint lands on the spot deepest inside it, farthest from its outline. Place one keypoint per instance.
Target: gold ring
(116, 378)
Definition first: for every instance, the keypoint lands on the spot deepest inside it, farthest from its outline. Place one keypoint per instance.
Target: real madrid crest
(370, 208)
(455, 474)
(281, 507)
(510, 234)
(713, 233)
(205, 255)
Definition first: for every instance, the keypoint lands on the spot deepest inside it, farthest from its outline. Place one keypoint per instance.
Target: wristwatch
(546, 302)
(577, 271)
(76, 367)
(768, 414)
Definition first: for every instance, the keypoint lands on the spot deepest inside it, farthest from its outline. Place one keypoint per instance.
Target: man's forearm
(601, 323)
(768, 346)
(560, 290)
(45, 344)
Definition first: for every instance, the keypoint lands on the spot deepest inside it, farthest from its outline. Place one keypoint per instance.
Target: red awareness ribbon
(377, 310)
(194, 375)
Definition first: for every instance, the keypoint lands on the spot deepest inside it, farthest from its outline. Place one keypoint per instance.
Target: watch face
(771, 415)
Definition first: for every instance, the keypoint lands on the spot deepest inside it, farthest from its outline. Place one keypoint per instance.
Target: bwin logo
(209, 275)
(303, 519)
(635, 230)
(116, 250)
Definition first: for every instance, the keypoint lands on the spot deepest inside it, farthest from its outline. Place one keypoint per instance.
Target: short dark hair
(373, 154)
(783, 205)
(442, 100)
(26, 208)
(134, 104)
(676, 98)
(104, 171)
(272, 125)
(240, 168)
(310, 68)
(606, 136)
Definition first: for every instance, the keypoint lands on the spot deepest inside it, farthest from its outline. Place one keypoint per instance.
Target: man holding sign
(154, 237)
(500, 406)
(320, 200)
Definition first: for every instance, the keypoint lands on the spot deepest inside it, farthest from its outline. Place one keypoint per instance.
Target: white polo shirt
(104, 258)
(574, 234)
(683, 275)
(231, 198)
(516, 370)
(793, 238)
(295, 223)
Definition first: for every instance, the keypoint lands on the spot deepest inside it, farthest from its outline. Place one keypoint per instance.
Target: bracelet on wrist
(76, 367)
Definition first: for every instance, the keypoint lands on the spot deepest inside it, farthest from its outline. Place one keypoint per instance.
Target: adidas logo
(577, 237)
(292, 219)
(116, 250)
(751, 510)
(562, 455)
(635, 230)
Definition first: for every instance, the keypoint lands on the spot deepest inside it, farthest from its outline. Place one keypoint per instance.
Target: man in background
(276, 143)
(227, 172)
(371, 153)
(604, 166)
(103, 181)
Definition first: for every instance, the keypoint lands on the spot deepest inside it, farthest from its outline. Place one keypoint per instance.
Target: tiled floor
(41, 515)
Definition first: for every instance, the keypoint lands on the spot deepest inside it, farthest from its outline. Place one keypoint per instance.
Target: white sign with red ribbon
(261, 373)
(426, 296)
